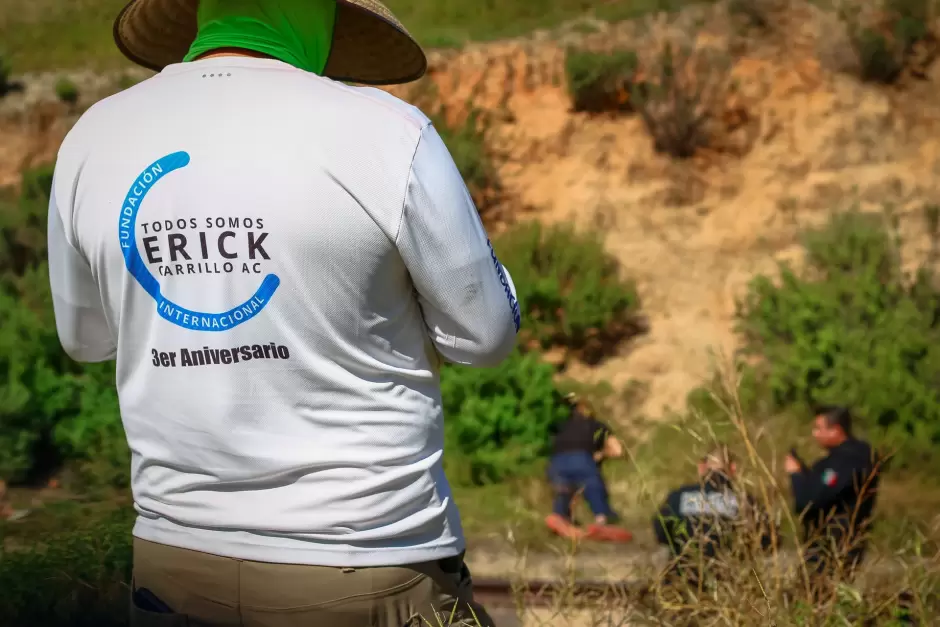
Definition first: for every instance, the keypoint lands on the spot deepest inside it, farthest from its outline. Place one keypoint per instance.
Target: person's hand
(791, 465)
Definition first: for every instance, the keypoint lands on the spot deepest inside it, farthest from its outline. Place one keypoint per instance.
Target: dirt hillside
(809, 138)
(805, 137)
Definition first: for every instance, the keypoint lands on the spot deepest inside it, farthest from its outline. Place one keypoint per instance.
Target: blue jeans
(569, 472)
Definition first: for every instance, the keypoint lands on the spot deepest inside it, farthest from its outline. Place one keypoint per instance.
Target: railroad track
(542, 593)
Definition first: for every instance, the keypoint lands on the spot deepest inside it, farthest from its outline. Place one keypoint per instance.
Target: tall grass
(741, 586)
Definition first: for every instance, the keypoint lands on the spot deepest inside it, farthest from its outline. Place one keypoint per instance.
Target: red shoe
(608, 533)
(562, 527)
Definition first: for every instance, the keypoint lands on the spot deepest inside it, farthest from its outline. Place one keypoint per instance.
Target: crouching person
(581, 446)
(700, 519)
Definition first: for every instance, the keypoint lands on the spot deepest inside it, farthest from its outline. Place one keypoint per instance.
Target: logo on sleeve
(829, 478)
(177, 254)
(513, 303)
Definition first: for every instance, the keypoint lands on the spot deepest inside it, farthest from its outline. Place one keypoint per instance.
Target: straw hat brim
(370, 46)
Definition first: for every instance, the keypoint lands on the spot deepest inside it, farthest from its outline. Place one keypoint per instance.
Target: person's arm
(467, 296)
(612, 446)
(79, 315)
(606, 445)
(821, 486)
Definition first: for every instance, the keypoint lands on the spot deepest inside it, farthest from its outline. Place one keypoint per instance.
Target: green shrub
(37, 184)
(498, 421)
(571, 291)
(853, 329)
(38, 384)
(885, 49)
(879, 59)
(67, 91)
(45, 397)
(77, 577)
(684, 91)
(600, 82)
(92, 437)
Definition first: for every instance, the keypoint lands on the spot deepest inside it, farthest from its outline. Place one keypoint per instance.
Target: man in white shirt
(279, 263)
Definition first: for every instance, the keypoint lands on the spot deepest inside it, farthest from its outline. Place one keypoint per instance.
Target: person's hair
(836, 416)
(580, 407)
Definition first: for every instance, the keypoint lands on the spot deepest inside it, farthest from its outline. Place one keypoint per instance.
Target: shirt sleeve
(79, 316)
(467, 297)
(822, 486)
(600, 433)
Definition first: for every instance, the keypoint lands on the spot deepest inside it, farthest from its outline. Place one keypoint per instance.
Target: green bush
(37, 186)
(77, 577)
(885, 49)
(853, 329)
(600, 82)
(571, 291)
(45, 397)
(67, 91)
(684, 92)
(498, 421)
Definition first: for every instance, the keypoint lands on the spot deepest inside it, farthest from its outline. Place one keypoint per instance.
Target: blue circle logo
(168, 310)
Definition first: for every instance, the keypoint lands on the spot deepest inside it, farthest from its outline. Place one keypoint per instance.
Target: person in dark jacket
(581, 445)
(710, 513)
(836, 495)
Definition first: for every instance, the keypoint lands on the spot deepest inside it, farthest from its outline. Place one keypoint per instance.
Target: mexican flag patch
(829, 477)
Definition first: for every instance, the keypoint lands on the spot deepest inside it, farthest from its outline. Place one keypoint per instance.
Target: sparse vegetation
(895, 39)
(680, 95)
(599, 82)
(756, 13)
(67, 91)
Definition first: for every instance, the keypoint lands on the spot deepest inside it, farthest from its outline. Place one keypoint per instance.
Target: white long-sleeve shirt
(278, 263)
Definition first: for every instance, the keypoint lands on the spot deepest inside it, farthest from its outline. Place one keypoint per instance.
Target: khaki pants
(177, 587)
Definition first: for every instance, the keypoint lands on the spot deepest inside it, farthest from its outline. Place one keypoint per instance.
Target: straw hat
(370, 45)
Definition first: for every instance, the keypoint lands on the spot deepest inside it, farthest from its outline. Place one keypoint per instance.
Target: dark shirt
(838, 491)
(580, 434)
(709, 511)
